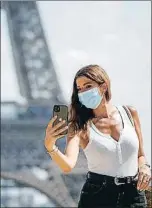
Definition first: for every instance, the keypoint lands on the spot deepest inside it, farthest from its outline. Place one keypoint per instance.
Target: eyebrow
(85, 84)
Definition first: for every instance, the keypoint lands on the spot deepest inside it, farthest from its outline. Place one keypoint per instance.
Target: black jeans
(101, 194)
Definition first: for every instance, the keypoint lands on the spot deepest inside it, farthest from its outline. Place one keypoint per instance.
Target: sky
(113, 34)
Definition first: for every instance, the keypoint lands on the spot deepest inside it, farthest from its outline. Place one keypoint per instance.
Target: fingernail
(60, 119)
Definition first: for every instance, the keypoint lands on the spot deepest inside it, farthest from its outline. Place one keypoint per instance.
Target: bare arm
(144, 171)
(141, 154)
(67, 160)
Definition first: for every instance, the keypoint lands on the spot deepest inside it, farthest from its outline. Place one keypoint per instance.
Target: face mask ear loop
(104, 92)
(99, 89)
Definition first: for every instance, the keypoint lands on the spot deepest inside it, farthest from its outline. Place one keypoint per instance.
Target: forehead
(80, 81)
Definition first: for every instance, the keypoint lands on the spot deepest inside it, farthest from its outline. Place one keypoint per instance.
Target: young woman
(111, 139)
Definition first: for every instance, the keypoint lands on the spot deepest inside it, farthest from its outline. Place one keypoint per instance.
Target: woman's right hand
(53, 133)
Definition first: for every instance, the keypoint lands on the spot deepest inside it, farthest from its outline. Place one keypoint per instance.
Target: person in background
(110, 136)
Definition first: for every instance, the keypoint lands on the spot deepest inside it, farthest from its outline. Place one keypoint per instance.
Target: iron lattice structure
(35, 70)
(38, 83)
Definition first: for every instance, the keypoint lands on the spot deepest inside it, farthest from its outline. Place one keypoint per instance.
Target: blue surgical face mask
(90, 98)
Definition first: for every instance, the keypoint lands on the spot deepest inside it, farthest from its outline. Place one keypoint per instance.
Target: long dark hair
(79, 114)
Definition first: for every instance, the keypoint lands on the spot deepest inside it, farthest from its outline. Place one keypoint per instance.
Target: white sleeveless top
(110, 157)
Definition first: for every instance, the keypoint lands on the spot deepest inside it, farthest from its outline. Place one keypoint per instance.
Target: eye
(88, 86)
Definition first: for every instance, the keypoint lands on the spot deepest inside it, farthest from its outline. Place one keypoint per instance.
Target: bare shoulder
(71, 131)
(134, 114)
(73, 134)
(81, 136)
(133, 110)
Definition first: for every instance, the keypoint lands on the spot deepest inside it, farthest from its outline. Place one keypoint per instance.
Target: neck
(103, 110)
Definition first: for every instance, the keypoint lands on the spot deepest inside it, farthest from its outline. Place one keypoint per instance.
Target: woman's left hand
(144, 178)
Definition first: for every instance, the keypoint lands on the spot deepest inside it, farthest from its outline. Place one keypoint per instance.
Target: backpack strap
(129, 115)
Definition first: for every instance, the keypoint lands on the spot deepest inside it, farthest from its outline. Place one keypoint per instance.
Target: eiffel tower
(22, 139)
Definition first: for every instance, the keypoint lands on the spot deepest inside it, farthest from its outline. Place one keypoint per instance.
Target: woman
(111, 139)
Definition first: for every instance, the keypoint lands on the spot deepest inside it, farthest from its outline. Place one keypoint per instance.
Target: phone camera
(57, 108)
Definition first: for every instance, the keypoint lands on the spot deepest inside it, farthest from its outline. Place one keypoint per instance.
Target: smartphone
(61, 111)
